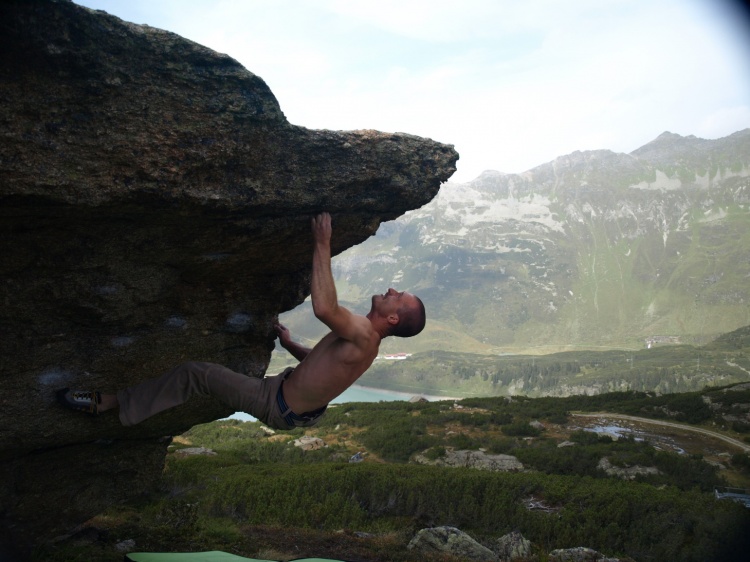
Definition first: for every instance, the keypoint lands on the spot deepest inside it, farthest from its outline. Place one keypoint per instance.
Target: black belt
(289, 416)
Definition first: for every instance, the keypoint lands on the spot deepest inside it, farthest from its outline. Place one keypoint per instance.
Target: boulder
(513, 547)
(626, 473)
(450, 540)
(195, 451)
(357, 457)
(474, 459)
(155, 208)
(579, 554)
(309, 443)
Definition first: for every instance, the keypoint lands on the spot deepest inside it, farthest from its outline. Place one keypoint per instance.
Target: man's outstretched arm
(323, 289)
(299, 352)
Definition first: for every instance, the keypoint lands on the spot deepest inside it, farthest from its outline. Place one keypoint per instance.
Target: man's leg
(153, 396)
(255, 396)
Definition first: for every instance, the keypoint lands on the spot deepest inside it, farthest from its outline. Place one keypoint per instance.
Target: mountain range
(594, 250)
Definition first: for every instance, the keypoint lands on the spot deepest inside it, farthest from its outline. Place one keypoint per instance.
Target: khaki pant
(252, 395)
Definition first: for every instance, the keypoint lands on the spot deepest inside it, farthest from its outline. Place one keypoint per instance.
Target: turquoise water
(358, 393)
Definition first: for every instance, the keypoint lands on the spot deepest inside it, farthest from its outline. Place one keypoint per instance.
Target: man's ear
(392, 319)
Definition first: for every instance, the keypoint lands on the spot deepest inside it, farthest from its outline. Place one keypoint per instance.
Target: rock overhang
(156, 208)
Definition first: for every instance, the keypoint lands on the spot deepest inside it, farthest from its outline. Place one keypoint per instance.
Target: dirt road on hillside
(736, 442)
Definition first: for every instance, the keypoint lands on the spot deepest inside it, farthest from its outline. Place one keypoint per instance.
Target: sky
(511, 84)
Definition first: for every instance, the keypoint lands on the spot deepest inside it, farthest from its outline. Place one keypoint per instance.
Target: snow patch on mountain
(472, 207)
(661, 183)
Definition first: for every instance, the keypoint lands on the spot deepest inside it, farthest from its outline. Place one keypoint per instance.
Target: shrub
(584, 437)
(608, 515)
(501, 446)
(461, 441)
(435, 453)
(741, 461)
(521, 429)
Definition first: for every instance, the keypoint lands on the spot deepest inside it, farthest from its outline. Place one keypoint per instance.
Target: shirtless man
(297, 397)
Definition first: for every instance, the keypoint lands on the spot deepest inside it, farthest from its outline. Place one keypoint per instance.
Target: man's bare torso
(341, 357)
(332, 366)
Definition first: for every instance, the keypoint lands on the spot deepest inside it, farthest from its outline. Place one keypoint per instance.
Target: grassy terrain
(260, 496)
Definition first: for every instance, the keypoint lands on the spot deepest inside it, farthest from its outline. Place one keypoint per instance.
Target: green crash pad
(213, 556)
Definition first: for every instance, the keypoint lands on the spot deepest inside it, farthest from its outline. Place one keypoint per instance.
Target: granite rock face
(452, 541)
(579, 554)
(474, 459)
(513, 547)
(155, 208)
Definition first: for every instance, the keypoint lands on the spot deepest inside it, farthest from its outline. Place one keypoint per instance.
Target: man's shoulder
(363, 332)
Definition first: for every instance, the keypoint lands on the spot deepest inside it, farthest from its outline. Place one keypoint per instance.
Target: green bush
(608, 515)
(435, 453)
(584, 437)
(461, 441)
(741, 461)
(521, 429)
(501, 446)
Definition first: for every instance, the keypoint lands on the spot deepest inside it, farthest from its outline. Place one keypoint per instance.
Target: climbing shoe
(80, 400)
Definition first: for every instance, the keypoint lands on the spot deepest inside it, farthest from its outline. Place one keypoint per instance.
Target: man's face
(392, 300)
